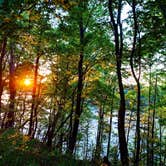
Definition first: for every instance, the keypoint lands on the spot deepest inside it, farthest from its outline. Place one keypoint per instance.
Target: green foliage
(50, 28)
(19, 150)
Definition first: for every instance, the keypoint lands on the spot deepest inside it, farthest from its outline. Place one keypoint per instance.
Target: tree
(118, 39)
(137, 78)
(2, 66)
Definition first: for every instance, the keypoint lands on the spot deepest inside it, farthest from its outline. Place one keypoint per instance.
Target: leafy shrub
(17, 149)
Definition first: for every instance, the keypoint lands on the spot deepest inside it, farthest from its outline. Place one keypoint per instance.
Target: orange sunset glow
(27, 82)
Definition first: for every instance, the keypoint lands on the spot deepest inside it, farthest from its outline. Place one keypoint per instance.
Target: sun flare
(27, 82)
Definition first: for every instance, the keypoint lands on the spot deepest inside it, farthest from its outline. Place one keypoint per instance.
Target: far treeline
(83, 78)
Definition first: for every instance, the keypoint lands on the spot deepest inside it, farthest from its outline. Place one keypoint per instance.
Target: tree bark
(137, 80)
(12, 89)
(121, 121)
(51, 129)
(149, 119)
(128, 131)
(33, 106)
(160, 146)
(78, 110)
(153, 122)
(118, 37)
(87, 141)
(99, 133)
(138, 137)
(71, 116)
(3, 52)
(110, 124)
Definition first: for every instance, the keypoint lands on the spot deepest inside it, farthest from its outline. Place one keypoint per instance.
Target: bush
(17, 149)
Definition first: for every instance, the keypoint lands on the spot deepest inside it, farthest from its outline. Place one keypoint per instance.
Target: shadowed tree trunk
(86, 141)
(78, 110)
(160, 142)
(33, 113)
(3, 52)
(118, 39)
(137, 80)
(71, 117)
(149, 118)
(12, 89)
(110, 123)
(36, 108)
(128, 131)
(153, 122)
(51, 128)
(99, 133)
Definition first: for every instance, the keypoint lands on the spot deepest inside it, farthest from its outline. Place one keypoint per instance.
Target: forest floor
(18, 150)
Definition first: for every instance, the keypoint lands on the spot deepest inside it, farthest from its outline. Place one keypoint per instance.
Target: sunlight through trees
(80, 80)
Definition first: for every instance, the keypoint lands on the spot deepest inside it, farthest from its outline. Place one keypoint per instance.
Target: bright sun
(27, 82)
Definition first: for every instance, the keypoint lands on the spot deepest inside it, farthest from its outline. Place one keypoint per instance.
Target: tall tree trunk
(12, 88)
(87, 141)
(138, 137)
(144, 143)
(71, 117)
(149, 119)
(21, 121)
(36, 109)
(51, 129)
(3, 52)
(160, 146)
(99, 133)
(121, 121)
(110, 124)
(33, 106)
(153, 122)
(118, 37)
(137, 78)
(52, 126)
(78, 110)
(128, 131)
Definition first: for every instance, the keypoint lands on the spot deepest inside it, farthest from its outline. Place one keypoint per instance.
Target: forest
(82, 79)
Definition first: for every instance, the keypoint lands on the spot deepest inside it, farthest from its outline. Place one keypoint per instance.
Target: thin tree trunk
(138, 137)
(71, 117)
(110, 124)
(128, 131)
(160, 146)
(53, 124)
(36, 109)
(121, 122)
(33, 106)
(149, 115)
(22, 114)
(144, 144)
(87, 140)
(51, 129)
(12, 89)
(3, 52)
(137, 78)
(99, 134)
(153, 123)
(78, 110)
(118, 37)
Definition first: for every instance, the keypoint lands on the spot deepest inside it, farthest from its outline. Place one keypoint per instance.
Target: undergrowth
(17, 149)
